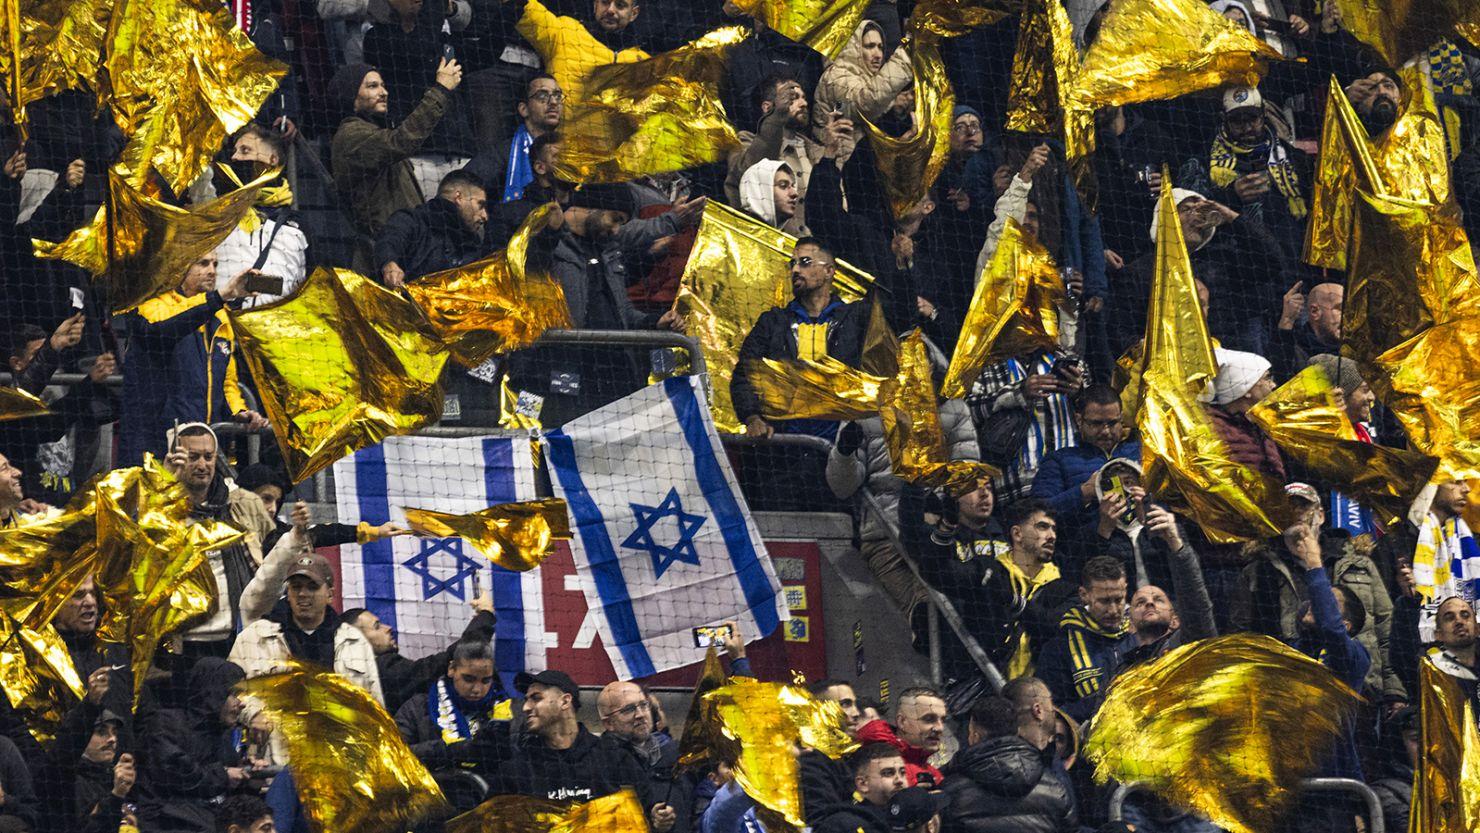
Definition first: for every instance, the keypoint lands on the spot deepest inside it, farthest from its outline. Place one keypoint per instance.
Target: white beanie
(1179, 196)
(1238, 372)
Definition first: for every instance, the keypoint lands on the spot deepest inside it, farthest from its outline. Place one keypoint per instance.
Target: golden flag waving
(153, 242)
(492, 306)
(515, 536)
(1308, 421)
(824, 25)
(341, 365)
(1446, 785)
(825, 389)
(1043, 71)
(654, 116)
(1400, 29)
(1014, 309)
(1150, 50)
(620, 812)
(1225, 726)
(50, 46)
(1186, 462)
(909, 165)
(1408, 161)
(19, 404)
(352, 769)
(737, 270)
(911, 419)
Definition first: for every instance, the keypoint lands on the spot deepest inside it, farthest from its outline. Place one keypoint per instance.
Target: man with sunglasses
(815, 326)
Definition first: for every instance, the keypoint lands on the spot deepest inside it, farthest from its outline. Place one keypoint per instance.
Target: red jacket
(916, 760)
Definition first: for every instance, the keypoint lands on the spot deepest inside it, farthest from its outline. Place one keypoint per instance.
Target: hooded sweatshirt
(758, 195)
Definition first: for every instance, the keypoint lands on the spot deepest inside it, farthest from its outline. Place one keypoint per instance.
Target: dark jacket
(206, 375)
(88, 655)
(84, 406)
(750, 61)
(428, 238)
(774, 336)
(588, 769)
(1194, 609)
(37, 291)
(1345, 656)
(1272, 209)
(402, 678)
(372, 167)
(15, 778)
(1244, 269)
(70, 787)
(668, 785)
(1247, 443)
(408, 61)
(594, 276)
(421, 732)
(1290, 350)
(148, 366)
(188, 752)
(1004, 785)
(1077, 665)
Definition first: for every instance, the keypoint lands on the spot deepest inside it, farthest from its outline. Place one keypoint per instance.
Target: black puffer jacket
(1003, 785)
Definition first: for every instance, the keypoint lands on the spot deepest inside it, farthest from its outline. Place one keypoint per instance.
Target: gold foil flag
(1429, 384)
(909, 165)
(1409, 161)
(1014, 310)
(1187, 464)
(620, 812)
(515, 536)
(153, 242)
(1400, 29)
(1153, 50)
(759, 727)
(493, 306)
(825, 389)
(738, 269)
(912, 432)
(699, 738)
(341, 365)
(37, 673)
(824, 25)
(654, 116)
(1226, 727)
(953, 18)
(55, 43)
(1043, 72)
(182, 77)
(19, 404)
(1446, 785)
(1308, 421)
(352, 769)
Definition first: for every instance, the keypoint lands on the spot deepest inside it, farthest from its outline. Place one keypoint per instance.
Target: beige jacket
(849, 87)
(262, 649)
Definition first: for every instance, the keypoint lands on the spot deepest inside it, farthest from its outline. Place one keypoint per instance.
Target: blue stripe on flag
(727, 512)
(377, 558)
(606, 569)
(498, 471)
(507, 586)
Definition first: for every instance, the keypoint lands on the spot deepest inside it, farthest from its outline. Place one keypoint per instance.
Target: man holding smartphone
(1252, 168)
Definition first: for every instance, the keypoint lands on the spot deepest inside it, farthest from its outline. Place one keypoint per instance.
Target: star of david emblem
(664, 556)
(432, 586)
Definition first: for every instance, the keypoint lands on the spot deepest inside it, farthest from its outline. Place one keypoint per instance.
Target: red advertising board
(573, 644)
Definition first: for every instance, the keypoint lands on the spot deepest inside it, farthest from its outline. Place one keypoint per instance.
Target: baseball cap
(313, 566)
(912, 807)
(1239, 98)
(1303, 491)
(554, 679)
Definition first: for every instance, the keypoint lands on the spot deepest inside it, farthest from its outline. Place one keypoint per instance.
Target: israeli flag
(421, 587)
(663, 540)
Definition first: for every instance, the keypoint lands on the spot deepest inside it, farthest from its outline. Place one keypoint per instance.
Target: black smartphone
(1067, 368)
(712, 636)
(265, 284)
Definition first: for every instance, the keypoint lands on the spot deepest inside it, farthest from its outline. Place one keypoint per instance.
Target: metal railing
(1375, 820)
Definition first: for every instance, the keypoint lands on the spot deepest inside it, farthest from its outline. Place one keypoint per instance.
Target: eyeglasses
(807, 261)
(548, 96)
(966, 128)
(626, 712)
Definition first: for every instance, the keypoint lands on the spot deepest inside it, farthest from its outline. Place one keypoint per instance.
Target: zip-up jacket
(1078, 663)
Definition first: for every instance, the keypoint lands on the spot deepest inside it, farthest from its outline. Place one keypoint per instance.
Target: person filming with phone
(179, 361)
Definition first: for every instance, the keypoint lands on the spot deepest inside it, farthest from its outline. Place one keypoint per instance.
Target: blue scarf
(520, 173)
(449, 712)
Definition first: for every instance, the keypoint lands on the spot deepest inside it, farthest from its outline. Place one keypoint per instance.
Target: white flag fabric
(664, 543)
(421, 587)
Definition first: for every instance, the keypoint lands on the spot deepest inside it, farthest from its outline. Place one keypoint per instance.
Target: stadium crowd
(440, 124)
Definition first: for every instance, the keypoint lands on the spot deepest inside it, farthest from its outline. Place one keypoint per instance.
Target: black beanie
(344, 88)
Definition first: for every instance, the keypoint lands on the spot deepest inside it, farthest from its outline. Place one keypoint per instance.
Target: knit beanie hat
(1238, 372)
(344, 88)
(1344, 373)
